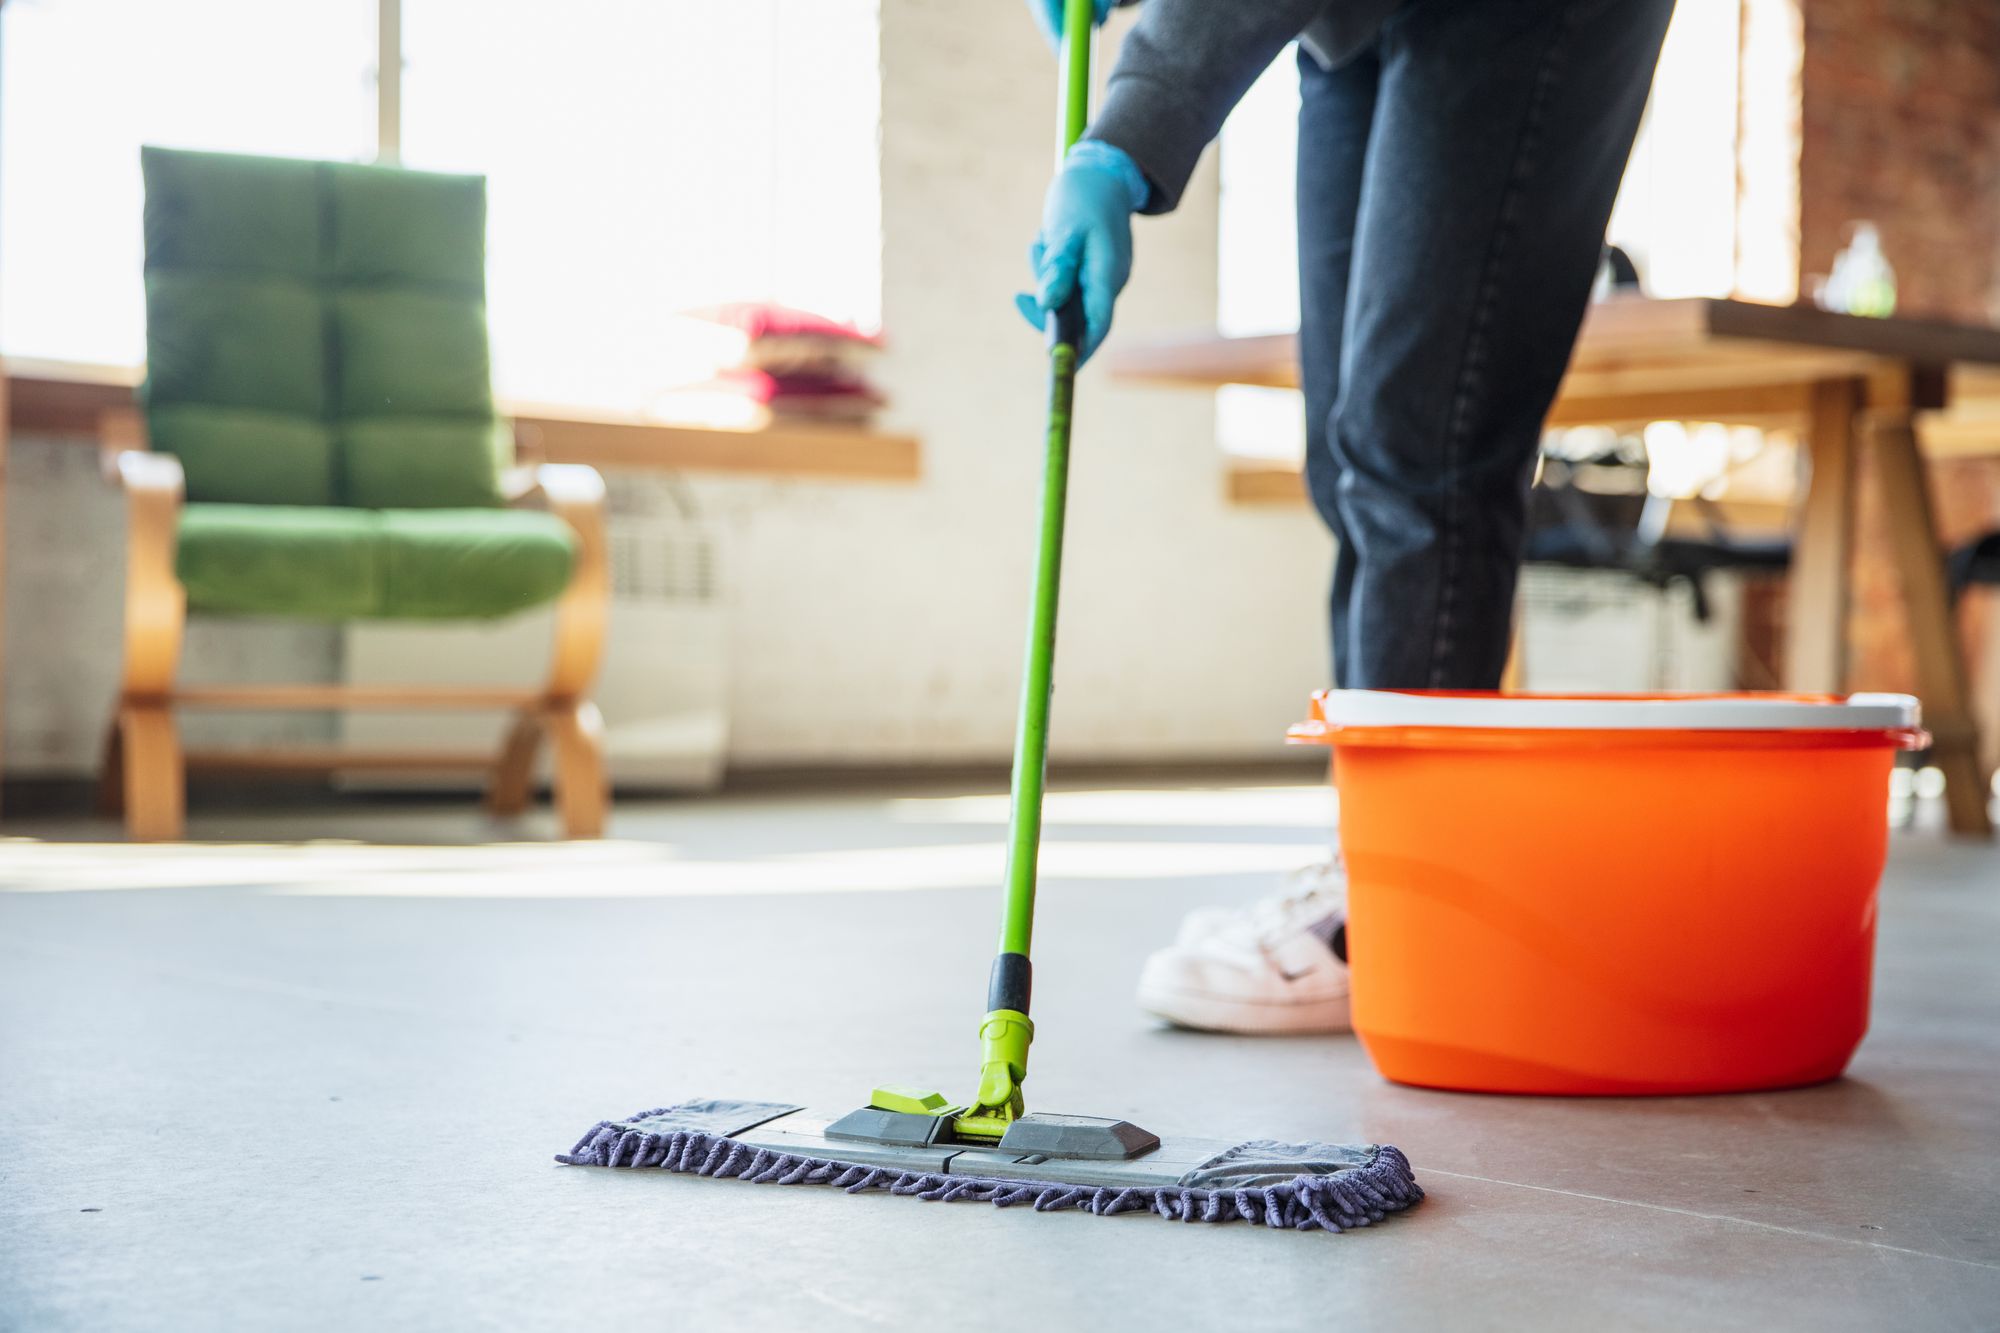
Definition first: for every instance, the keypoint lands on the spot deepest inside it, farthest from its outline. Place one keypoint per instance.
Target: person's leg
(1501, 133)
(1498, 134)
(1336, 112)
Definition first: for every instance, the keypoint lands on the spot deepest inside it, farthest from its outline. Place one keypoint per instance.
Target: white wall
(883, 623)
(64, 601)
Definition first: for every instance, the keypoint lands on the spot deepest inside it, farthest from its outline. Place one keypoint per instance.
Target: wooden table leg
(1514, 675)
(583, 795)
(155, 774)
(3, 563)
(1816, 597)
(1941, 676)
(1986, 697)
(513, 778)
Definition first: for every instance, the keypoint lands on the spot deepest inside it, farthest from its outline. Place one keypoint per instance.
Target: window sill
(1263, 481)
(69, 399)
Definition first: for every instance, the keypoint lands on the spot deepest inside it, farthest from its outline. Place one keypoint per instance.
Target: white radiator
(1600, 630)
(664, 685)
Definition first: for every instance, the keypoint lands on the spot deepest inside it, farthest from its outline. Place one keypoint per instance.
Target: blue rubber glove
(1049, 17)
(1085, 244)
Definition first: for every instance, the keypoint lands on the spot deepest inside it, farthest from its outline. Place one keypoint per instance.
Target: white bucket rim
(1397, 708)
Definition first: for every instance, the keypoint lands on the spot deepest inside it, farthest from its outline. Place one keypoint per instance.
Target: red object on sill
(763, 319)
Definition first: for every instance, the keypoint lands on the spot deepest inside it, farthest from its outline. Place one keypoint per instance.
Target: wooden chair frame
(145, 766)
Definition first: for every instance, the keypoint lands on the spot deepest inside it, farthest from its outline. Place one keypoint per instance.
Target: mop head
(1295, 1186)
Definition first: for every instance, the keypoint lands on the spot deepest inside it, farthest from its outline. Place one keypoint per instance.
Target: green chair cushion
(424, 463)
(452, 563)
(412, 354)
(395, 227)
(341, 563)
(344, 298)
(249, 456)
(226, 213)
(280, 560)
(234, 341)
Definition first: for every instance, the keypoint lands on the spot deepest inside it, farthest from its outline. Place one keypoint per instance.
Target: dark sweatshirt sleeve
(1184, 66)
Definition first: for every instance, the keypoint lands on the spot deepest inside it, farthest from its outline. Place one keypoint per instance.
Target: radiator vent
(649, 564)
(661, 551)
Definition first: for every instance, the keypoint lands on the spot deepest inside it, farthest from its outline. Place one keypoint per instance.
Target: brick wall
(1900, 124)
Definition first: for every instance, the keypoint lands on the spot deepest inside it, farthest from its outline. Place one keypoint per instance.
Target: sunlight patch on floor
(28, 866)
(603, 869)
(1305, 807)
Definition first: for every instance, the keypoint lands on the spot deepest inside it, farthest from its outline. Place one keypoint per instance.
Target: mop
(916, 1141)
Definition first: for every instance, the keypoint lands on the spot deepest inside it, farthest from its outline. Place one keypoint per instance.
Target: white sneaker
(1311, 895)
(1269, 968)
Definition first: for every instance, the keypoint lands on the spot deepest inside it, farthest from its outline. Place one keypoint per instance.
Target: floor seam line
(1713, 1217)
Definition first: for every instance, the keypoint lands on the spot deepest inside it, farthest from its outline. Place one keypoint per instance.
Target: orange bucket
(1596, 894)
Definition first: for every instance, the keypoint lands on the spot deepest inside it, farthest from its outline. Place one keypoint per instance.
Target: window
(644, 157)
(83, 83)
(1676, 213)
(1257, 276)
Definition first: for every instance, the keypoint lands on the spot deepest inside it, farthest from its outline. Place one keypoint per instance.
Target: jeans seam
(1472, 359)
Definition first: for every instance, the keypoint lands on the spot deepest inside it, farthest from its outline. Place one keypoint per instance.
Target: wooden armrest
(155, 606)
(557, 486)
(521, 487)
(528, 448)
(120, 430)
(575, 493)
(152, 480)
(570, 485)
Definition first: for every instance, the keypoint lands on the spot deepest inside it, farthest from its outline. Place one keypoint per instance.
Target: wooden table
(1844, 381)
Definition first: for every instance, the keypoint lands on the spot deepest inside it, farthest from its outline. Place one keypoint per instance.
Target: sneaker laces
(1317, 891)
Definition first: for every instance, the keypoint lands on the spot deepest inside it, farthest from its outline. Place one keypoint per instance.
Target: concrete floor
(274, 1087)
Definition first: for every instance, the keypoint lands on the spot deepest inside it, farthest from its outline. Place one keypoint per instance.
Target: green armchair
(324, 444)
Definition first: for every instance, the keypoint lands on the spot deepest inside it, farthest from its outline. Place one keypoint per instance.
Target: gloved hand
(1049, 17)
(1085, 244)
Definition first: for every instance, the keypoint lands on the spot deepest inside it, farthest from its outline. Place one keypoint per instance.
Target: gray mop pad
(1295, 1186)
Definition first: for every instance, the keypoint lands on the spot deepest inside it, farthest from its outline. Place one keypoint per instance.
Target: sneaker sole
(1250, 1018)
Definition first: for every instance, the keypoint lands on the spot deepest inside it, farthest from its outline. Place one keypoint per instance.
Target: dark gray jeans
(1455, 180)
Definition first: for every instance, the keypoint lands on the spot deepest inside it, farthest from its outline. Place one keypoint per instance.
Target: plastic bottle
(1862, 282)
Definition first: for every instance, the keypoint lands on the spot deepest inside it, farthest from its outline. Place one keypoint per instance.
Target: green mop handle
(1006, 1031)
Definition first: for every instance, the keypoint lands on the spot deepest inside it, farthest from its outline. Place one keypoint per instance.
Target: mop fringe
(1339, 1201)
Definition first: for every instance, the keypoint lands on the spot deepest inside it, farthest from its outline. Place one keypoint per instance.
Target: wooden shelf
(64, 397)
(779, 449)
(68, 399)
(1257, 481)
